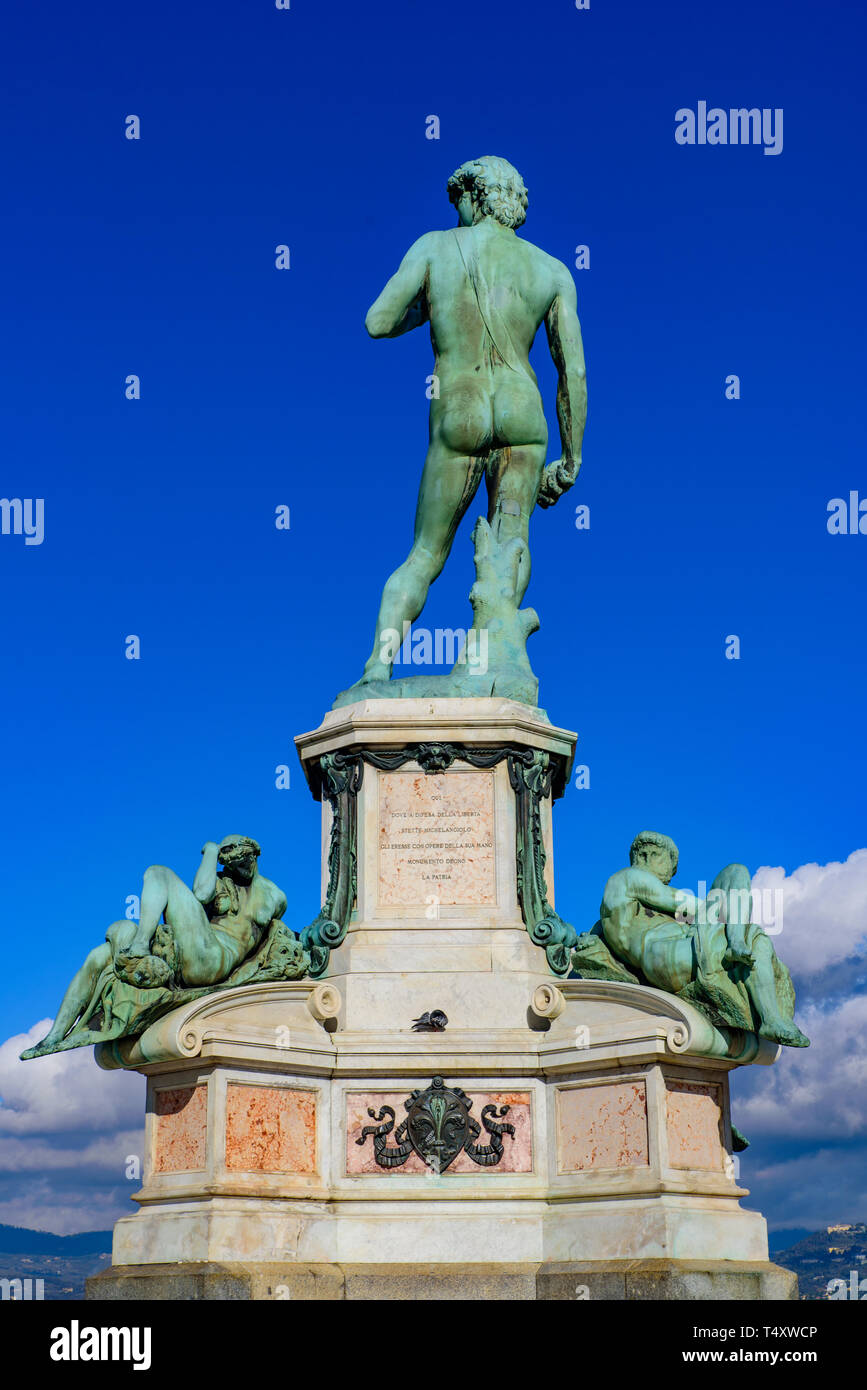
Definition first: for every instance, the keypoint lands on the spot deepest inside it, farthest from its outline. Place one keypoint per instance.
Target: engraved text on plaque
(436, 838)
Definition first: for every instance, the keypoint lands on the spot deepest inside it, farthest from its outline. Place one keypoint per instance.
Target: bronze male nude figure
(485, 293)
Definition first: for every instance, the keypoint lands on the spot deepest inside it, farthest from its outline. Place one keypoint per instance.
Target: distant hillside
(49, 1266)
(837, 1252)
(18, 1239)
(784, 1240)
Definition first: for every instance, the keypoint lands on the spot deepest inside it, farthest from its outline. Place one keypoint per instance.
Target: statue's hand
(210, 844)
(738, 965)
(557, 478)
(737, 951)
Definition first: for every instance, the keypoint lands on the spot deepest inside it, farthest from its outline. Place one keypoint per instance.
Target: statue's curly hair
(496, 186)
(229, 840)
(654, 837)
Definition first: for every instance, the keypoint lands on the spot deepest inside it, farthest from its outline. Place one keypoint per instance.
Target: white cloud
(65, 1091)
(45, 1204)
(106, 1155)
(66, 1130)
(824, 919)
(816, 1092)
(813, 1100)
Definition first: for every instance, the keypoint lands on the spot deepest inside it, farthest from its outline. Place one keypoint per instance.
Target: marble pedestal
(618, 1180)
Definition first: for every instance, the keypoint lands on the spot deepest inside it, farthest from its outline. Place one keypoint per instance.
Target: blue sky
(260, 387)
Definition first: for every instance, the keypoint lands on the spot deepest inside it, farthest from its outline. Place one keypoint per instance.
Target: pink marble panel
(517, 1152)
(181, 1129)
(694, 1124)
(436, 838)
(602, 1126)
(270, 1129)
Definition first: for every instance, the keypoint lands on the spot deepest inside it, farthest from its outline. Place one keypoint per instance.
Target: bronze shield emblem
(438, 1124)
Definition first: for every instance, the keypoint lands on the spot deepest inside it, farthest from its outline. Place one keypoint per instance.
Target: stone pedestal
(602, 1153)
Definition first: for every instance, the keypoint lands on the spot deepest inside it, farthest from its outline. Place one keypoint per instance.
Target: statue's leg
(513, 478)
(449, 483)
(762, 989)
(202, 956)
(731, 890)
(157, 887)
(78, 994)
(730, 898)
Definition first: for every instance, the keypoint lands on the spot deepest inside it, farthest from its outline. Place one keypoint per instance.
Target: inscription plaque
(436, 838)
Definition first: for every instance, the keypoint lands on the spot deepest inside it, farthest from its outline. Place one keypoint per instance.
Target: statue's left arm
(567, 351)
(403, 303)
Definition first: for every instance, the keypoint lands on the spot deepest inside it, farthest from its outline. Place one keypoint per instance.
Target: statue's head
(655, 852)
(238, 855)
(488, 187)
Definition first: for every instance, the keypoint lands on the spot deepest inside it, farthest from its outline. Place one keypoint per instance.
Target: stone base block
(688, 1281)
(609, 1280)
(213, 1281)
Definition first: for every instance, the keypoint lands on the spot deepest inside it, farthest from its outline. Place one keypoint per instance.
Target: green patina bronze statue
(706, 951)
(226, 931)
(485, 293)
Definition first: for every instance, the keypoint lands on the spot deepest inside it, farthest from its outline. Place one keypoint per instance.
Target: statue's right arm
(403, 303)
(567, 351)
(205, 882)
(651, 892)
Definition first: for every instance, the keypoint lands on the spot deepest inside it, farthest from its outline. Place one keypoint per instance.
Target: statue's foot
(374, 673)
(79, 1037)
(48, 1044)
(370, 685)
(363, 681)
(137, 948)
(781, 1030)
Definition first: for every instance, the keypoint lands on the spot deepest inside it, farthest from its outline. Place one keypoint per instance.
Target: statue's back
(486, 285)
